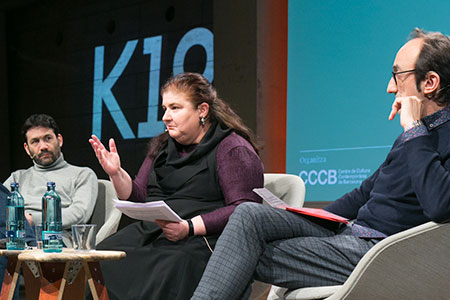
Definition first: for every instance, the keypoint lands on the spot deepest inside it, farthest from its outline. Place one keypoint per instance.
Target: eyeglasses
(394, 74)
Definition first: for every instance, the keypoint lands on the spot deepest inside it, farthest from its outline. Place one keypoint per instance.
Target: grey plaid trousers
(277, 247)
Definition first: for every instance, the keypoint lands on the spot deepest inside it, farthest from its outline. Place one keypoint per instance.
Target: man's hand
(29, 218)
(174, 231)
(409, 108)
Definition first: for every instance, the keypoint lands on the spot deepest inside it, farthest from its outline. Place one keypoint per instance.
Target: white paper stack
(148, 211)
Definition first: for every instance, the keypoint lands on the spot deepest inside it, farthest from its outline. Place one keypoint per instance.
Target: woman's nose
(166, 115)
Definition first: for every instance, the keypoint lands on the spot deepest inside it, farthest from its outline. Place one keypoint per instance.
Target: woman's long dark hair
(199, 90)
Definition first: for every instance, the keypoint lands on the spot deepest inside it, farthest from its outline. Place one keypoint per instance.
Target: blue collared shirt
(429, 123)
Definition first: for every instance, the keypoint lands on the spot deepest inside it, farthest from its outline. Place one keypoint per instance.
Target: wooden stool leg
(10, 279)
(32, 275)
(64, 281)
(51, 277)
(95, 280)
(61, 281)
(73, 285)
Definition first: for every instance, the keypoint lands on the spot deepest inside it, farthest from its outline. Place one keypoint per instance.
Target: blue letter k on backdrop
(152, 46)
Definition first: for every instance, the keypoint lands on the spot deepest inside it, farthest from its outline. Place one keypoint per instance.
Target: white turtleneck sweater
(77, 187)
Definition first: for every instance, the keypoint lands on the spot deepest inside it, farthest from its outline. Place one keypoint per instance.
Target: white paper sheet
(270, 198)
(148, 211)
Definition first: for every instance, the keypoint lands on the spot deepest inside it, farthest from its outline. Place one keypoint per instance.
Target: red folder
(274, 201)
(318, 213)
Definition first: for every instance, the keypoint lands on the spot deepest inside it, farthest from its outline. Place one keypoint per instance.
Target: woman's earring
(202, 121)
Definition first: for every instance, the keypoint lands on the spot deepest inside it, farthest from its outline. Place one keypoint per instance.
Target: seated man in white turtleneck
(77, 186)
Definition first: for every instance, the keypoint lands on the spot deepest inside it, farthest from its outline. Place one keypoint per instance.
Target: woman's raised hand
(109, 160)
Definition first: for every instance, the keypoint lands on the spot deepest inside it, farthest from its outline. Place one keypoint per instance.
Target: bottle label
(51, 235)
(10, 234)
(21, 234)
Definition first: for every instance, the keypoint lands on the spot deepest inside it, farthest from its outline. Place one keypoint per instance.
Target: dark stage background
(49, 50)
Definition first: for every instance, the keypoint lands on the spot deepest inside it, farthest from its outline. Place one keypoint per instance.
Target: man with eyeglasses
(410, 188)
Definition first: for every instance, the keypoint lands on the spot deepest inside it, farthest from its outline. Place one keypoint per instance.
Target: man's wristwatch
(414, 124)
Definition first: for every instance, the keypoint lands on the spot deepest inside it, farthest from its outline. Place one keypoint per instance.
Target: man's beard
(47, 160)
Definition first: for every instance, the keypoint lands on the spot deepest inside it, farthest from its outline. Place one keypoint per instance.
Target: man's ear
(27, 150)
(60, 139)
(203, 108)
(431, 83)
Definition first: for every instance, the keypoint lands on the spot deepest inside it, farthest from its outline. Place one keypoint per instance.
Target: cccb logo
(321, 177)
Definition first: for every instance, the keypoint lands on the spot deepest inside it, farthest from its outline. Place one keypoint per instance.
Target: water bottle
(51, 220)
(15, 219)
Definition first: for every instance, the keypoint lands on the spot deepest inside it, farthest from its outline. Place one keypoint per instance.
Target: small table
(59, 276)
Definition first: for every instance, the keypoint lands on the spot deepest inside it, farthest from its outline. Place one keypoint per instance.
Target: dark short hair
(39, 120)
(434, 56)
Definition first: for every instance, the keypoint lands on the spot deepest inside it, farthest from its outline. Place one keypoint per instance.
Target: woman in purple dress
(203, 166)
